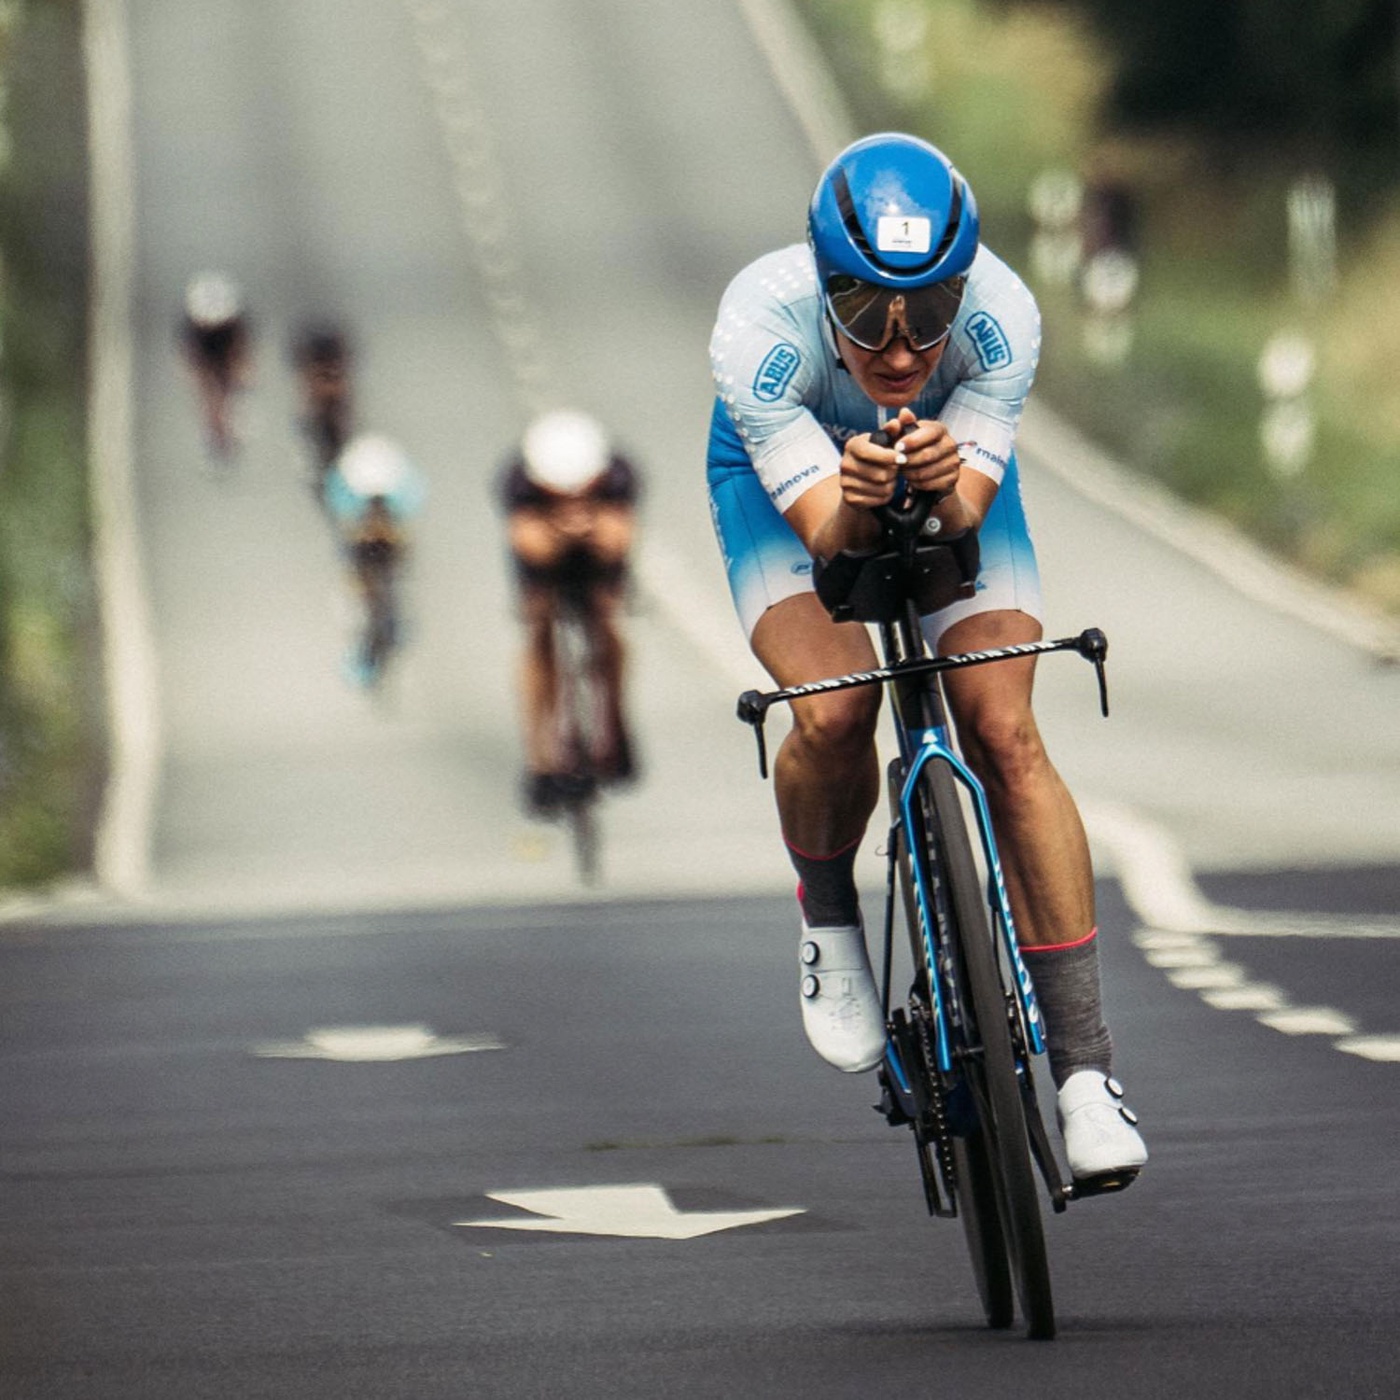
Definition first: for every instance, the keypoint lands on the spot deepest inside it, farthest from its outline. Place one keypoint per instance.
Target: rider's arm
(836, 513)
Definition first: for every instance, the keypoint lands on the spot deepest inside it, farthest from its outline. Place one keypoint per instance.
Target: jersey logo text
(993, 348)
(776, 371)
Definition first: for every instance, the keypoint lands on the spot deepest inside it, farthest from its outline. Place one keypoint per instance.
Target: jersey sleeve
(998, 344)
(764, 366)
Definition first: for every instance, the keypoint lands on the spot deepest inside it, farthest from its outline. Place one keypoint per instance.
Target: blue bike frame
(924, 747)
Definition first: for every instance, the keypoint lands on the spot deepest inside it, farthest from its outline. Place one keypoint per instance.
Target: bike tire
(993, 1079)
(975, 1194)
(576, 741)
(583, 824)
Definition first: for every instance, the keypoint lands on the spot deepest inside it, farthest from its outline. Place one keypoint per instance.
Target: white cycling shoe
(841, 1010)
(1099, 1130)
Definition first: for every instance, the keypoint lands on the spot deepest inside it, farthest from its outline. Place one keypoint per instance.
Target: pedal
(1104, 1184)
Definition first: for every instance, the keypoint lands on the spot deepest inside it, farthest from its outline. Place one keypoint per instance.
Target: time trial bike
(958, 1062)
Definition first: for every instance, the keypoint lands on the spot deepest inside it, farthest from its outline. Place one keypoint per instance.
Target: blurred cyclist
(372, 491)
(322, 357)
(893, 315)
(570, 503)
(216, 340)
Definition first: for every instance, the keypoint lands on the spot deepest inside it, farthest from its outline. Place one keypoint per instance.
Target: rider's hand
(924, 454)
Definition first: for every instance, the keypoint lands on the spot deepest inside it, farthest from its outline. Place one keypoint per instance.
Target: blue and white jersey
(790, 405)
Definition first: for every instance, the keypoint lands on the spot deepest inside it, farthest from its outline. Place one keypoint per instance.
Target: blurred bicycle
(372, 491)
(216, 341)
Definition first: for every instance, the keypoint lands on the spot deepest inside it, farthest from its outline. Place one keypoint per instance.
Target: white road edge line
(123, 842)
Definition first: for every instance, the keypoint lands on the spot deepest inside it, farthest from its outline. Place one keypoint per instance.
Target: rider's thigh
(991, 704)
(797, 642)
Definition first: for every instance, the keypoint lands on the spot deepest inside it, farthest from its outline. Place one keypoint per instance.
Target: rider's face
(893, 377)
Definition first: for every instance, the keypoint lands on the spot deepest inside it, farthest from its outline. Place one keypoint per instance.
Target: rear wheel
(992, 1075)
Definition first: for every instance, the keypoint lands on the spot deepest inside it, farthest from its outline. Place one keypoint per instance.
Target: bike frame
(919, 747)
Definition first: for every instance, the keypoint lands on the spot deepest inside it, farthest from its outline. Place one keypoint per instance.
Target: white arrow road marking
(1181, 925)
(376, 1043)
(1372, 1047)
(640, 1212)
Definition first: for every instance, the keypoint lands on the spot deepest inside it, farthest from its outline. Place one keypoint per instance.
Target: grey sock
(1067, 987)
(827, 891)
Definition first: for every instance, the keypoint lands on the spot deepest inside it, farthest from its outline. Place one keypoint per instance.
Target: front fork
(903, 1091)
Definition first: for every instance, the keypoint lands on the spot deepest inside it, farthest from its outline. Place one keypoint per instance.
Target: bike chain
(938, 1110)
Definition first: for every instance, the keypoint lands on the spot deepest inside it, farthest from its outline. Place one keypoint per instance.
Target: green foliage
(1017, 87)
(1314, 79)
(50, 745)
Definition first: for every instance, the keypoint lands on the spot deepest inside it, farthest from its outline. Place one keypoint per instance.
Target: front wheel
(972, 1183)
(989, 1067)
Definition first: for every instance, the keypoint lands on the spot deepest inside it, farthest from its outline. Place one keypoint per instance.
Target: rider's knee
(1004, 748)
(841, 722)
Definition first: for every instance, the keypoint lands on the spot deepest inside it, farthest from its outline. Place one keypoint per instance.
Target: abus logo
(776, 371)
(993, 348)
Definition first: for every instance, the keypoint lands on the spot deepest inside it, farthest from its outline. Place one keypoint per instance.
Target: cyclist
(570, 503)
(893, 315)
(372, 492)
(322, 358)
(216, 340)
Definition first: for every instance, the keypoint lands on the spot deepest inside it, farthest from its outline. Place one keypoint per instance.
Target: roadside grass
(51, 748)
(1010, 93)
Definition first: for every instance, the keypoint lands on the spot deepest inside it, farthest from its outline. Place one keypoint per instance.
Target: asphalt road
(190, 1204)
(361, 1000)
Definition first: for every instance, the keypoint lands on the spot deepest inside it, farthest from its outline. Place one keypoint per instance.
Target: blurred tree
(1318, 78)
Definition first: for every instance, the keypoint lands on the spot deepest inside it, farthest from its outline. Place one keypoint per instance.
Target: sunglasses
(871, 317)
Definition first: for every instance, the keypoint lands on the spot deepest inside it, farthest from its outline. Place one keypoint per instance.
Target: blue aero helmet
(893, 228)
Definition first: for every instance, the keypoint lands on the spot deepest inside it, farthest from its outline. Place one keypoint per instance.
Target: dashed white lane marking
(482, 194)
(639, 1212)
(801, 76)
(1180, 926)
(1309, 1020)
(1372, 1047)
(362, 1044)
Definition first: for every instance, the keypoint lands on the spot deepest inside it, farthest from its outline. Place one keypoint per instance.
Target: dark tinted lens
(862, 310)
(929, 311)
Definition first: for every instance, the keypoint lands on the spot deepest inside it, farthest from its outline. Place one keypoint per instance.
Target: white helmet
(211, 299)
(565, 450)
(374, 465)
